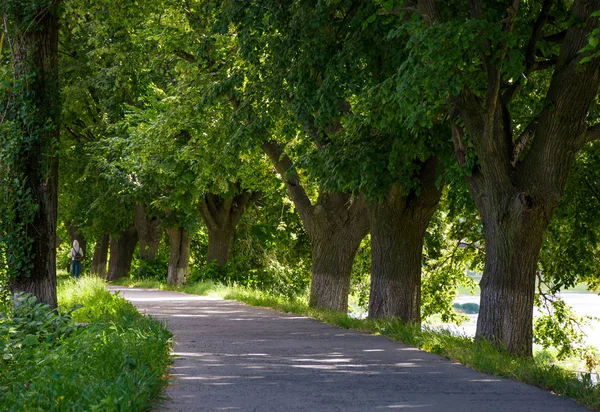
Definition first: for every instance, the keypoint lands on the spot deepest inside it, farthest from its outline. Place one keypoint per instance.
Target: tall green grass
(103, 356)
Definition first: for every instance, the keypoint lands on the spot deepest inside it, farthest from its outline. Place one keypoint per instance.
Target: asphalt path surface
(234, 357)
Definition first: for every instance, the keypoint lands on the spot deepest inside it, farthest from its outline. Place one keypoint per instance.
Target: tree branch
(522, 141)
(283, 164)
(206, 213)
(531, 51)
(593, 133)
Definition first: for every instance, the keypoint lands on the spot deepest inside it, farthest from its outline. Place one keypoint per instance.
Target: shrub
(116, 361)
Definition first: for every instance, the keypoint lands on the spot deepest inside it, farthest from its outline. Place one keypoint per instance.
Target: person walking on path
(76, 256)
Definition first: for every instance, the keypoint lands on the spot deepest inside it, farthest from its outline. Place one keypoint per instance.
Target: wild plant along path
(233, 357)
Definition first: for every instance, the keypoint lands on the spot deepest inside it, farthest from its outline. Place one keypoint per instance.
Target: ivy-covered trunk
(221, 214)
(100, 258)
(149, 231)
(32, 32)
(121, 253)
(179, 255)
(398, 225)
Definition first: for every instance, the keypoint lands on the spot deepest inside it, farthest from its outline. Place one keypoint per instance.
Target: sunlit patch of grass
(113, 359)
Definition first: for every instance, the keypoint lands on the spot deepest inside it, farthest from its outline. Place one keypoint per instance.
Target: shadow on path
(233, 357)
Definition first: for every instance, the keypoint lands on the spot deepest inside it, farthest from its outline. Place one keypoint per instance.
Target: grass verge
(539, 371)
(96, 353)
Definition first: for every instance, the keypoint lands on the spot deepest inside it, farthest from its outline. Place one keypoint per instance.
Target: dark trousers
(75, 268)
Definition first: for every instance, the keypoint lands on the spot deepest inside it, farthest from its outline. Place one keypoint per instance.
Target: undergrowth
(95, 353)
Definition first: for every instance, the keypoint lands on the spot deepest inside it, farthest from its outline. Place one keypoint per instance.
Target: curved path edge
(233, 357)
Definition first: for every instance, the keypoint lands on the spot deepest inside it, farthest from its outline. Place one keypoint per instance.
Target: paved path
(233, 357)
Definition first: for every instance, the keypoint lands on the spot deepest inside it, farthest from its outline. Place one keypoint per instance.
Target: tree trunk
(179, 256)
(34, 44)
(100, 256)
(121, 253)
(149, 233)
(75, 234)
(219, 245)
(333, 251)
(514, 236)
(517, 181)
(398, 226)
(221, 216)
(336, 227)
(335, 224)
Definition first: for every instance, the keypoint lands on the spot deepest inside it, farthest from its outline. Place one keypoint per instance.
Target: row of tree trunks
(179, 255)
(221, 214)
(398, 225)
(121, 253)
(34, 47)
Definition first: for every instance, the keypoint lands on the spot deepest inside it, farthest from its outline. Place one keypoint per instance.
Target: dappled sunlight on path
(229, 356)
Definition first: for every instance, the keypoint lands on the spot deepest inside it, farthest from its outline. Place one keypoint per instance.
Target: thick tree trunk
(514, 232)
(335, 224)
(34, 47)
(336, 227)
(149, 233)
(517, 182)
(121, 253)
(398, 226)
(333, 253)
(100, 258)
(219, 245)
(221, 216)
(179, 256)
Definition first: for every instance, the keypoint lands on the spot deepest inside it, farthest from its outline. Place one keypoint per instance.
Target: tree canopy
(392, 144)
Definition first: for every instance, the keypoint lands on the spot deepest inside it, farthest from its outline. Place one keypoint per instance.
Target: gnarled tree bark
(398, 225)
(335, 224)
(121, 253)
(179, 255)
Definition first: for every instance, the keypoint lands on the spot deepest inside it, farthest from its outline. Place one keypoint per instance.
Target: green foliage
(115, 361)
(559, 327)
(571, 251)
(30, 324)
